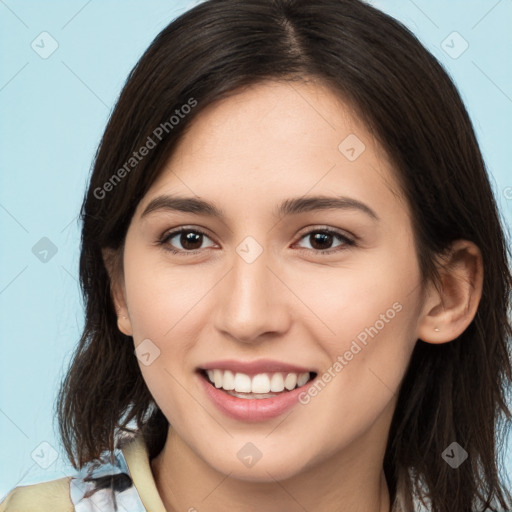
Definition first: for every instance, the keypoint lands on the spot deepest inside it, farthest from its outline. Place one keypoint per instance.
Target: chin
(266, 469)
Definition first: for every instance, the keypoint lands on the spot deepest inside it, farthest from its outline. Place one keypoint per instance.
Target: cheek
(161, 299)
(367, 331)
(363, 296)
(162, 309)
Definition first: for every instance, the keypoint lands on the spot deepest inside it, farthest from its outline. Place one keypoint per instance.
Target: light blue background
(53, 112)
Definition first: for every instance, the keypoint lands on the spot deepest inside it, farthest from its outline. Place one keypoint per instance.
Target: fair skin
(246, 154)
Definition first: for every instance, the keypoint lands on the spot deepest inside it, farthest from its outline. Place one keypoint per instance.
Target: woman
(296, 280)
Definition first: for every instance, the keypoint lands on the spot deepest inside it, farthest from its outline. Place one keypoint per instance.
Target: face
(274, 284)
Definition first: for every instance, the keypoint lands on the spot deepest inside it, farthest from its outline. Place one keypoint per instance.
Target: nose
(252, 304)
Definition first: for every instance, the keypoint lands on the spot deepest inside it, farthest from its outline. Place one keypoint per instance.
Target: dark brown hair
(451, 392)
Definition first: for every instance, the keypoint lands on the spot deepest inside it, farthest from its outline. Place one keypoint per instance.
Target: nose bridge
(250, 277)
(250, 304)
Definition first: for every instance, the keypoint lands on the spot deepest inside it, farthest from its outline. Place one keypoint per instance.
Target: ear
(117, 290)
(449, 309)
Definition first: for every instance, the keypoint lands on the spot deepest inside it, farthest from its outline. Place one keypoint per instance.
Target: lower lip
(252, 409)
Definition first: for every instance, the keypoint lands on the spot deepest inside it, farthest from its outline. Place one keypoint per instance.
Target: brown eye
(189, 239)
(321, 240)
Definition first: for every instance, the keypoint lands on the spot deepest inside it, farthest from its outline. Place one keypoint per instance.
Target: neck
(349, 480)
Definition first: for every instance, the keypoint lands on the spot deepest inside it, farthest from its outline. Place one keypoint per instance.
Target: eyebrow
(291, 206)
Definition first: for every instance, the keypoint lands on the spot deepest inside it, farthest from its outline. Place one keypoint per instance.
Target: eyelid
(329, 229)
(179, 229)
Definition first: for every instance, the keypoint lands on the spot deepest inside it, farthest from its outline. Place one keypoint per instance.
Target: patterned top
(105, 484)
(119, 482)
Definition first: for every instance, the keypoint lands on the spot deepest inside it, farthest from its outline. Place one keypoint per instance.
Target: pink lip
(246, 409)
(254, 367)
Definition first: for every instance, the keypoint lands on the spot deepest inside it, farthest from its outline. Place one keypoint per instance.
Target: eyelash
(168, 236)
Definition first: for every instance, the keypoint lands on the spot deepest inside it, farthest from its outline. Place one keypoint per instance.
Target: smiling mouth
(259, 386)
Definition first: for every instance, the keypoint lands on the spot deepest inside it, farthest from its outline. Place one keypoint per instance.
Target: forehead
(286, 115)
(276, 139)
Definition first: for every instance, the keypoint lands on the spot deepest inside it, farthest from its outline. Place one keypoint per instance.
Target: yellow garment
(53, 496)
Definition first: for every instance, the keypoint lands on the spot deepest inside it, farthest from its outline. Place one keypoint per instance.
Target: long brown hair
(451, 392)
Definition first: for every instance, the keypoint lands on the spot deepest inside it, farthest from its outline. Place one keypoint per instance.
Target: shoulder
(52, 496)
(108, 483)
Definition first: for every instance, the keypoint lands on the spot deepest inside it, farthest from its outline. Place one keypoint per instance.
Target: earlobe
(117, 292)
(124, 325)
(450, 307)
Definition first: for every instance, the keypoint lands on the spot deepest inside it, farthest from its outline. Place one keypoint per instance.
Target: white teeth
(260, 384)
(242, 383)
(302, 379)
(217, 378)
(291, 381)
(277, 382)
(228, 382)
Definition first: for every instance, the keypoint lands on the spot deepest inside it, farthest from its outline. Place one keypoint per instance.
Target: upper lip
(254, 367)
